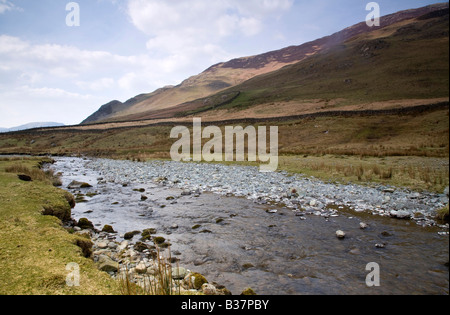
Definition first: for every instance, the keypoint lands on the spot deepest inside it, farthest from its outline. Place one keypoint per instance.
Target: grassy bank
(414, 134)
(34, 248)
(416, 173)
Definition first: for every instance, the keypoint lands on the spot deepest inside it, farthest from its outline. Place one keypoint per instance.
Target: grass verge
(35, 249)
(416, 173)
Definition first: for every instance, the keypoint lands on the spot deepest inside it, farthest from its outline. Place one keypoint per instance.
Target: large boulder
(106, 264)
(194, 281)
(77, 185)
(141, 268)
(179, 273)
(108, 229)
(402, 215)
(85, 224)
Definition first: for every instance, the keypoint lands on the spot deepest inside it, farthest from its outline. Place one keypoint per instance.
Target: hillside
(170, 101)
(401, 65)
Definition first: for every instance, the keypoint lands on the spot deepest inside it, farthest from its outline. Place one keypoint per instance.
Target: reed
(161, 283)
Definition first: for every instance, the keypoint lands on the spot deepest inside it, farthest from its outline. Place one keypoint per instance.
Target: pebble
(402, 214)
(340, 234)
(112, 245)
(123, 245)
(179, 273)
(122, 262)
(141, 268)
(294, 191)
(363, 226)
(102, 245)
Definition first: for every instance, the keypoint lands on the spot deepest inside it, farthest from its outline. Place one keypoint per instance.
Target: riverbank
(141, 263)
(35, 249)
(44, 251)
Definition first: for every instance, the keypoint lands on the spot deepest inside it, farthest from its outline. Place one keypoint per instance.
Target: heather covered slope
(342, 51)
(394, 66)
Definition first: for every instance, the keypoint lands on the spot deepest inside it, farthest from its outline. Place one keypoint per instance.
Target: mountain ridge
(223, 76)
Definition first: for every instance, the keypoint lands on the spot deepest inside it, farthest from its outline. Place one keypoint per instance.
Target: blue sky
(52, 72)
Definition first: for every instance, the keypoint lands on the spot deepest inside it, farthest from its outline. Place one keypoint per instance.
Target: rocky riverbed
(275, 232)
(142, 263)
(296, 192)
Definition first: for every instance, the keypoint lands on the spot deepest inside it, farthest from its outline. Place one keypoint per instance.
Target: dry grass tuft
(35, 173)
(161, 283)
(443, 214)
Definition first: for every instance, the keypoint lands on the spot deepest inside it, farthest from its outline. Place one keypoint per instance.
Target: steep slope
(403, 64)
(164, 102)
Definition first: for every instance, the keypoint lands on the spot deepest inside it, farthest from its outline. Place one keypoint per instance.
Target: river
(266, 246)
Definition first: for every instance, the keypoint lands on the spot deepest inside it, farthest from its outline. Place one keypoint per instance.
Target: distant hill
(31, 126)
(346, 56)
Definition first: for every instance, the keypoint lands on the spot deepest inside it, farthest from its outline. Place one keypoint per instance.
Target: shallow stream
(239, 243)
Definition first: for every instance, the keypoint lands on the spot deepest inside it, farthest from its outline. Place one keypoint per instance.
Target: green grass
(35, 249)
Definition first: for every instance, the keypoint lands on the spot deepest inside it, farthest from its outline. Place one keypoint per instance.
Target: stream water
(239, 243)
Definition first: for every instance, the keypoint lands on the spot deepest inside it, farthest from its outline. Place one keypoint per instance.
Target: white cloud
(58, 79)
(250, 26)
(97, 85)
(35, 75)
(91, 70)
(184, 37)
(47, 92)
(180, 24)
(24, 104)
(7, 6)
(155, 16)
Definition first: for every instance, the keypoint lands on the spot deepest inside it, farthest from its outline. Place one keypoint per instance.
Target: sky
(60, 62)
